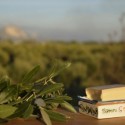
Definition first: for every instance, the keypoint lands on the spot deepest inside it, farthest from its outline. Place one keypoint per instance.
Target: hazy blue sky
(64, 19)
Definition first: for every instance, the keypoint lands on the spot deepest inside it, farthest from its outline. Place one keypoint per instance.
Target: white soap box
(101, 110)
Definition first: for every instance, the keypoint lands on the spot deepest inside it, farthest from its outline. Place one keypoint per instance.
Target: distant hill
(13, 32)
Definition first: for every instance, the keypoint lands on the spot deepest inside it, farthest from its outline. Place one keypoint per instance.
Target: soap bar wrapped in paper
(102, 110)
(106, 93)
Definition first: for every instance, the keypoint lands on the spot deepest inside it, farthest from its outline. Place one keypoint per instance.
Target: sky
(81, 20)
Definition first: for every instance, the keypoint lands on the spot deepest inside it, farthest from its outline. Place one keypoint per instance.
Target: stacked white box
(102, 110)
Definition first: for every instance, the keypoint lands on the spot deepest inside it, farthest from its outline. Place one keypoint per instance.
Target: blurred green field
(91, 63)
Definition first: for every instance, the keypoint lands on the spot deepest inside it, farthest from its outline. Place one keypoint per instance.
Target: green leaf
(27, 78)
(54, 105)
(68, 106)
(24, 110)
(57, 99)
(28, 111)
(54, 101)
(6, 110)
(45, 116)
(37, 87)
(62, 97)
(8, 94)
(40, 102)
(56, 115)
(58, 67)
(50, 88)
(4, 82)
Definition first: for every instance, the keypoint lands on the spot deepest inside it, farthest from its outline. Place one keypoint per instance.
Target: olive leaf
(58, 99)
(55, 70)
(28, 111)
(24, 110)
(27, 78)
(56, 115)
(68, 106)
(6, 110)
(45, 116)
(40, 102)
(8, 94)
(4, 82)
(49, 88)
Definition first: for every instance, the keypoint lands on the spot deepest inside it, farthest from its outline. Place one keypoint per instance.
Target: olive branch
(34, 99)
